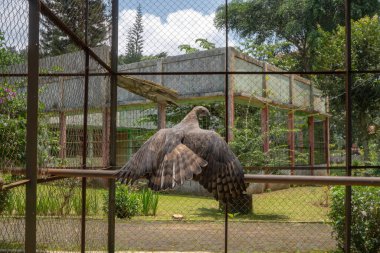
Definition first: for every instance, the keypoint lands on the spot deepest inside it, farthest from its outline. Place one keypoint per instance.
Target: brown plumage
(186, 152)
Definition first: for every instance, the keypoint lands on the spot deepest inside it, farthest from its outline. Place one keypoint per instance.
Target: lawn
(298, 204)
(301, 204)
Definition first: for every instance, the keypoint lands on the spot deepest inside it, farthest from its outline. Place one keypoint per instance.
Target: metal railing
(37, 7)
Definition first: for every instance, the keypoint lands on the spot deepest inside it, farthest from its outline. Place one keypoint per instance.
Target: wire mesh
(170, 28)
(13, 48)
(273, 120)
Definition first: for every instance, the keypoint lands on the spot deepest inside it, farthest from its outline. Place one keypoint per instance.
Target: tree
(56, 42)
(203, 43)
(13, 118)
(366, 87)
(135, 44)
(295, 22)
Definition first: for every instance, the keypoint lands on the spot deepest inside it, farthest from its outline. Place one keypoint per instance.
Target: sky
(170, 23)
(163, 8)
(167, 23)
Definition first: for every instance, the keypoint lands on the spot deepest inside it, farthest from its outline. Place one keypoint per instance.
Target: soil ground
(64, 235)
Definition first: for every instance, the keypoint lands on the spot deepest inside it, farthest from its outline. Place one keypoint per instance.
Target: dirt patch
(64, 234)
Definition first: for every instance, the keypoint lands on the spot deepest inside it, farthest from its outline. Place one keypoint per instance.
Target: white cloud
(180, 27)
(14, 23)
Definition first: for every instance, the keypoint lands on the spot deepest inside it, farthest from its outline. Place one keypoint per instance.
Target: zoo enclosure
(88, 75)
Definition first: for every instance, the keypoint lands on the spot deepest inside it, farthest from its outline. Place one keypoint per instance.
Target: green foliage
(248, 139)
(7, 56)
(294, 22)
(187, 48)
(4, 200)
(203, 43)
(366, 87)
(278, 53)
(127, 202)
(149, 200)
(154, 56)
(365, 218)
(13, 119)
(56, 42)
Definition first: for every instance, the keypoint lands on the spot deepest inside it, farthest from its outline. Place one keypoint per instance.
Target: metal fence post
(348, 85)
(85, 128)
(113, 127)
(32, 127)
(227, 120)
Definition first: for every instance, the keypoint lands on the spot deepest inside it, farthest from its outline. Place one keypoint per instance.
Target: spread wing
(163, 160)
(223, 176)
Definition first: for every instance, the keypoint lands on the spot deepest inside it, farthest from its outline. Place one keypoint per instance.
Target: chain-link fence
(278, 90)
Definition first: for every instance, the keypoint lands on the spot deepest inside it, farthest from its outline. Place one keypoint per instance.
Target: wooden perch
(148, 89)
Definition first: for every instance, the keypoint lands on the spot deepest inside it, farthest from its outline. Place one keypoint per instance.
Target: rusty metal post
(291, 133)
(62, 135)
(227, 97)
(265, 127)
(265, 112)
(348, 105)
(161, 107)
(32, 127)
(105, 136)
(310, 123)
(161, 115)
(113, 127)
(85, 128)
(326, 140)
(291, 141)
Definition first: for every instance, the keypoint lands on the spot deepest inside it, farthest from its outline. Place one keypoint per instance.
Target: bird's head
(201, 111)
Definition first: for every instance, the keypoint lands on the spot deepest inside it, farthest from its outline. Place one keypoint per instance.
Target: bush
(365, 218)
(149, 201)
(127, 202)
(4, 200)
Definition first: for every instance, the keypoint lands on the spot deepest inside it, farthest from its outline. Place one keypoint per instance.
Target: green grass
(301, 204)
(298, 204)
(294, 204)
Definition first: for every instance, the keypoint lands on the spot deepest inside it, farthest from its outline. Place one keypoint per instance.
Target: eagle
(184, 152)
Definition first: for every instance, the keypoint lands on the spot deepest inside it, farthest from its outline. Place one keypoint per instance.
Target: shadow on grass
(218, 214)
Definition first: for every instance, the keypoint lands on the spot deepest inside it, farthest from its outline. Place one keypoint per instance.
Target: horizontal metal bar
(14, 184)
(198, 73)
(80, 74)
(234, 73)
(307, 167)
(319, 180)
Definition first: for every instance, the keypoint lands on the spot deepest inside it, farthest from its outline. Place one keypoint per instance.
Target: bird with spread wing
(184, 152)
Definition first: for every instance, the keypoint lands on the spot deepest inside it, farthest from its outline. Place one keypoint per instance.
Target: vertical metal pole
(348, 85)
(227, 101)
(326, 140)
(291, 141)
(265, 112)
(32, 127)
(85, 126)
(310, 124)
(226, 226)
(291, 133)
(113, 129)
(265, 127)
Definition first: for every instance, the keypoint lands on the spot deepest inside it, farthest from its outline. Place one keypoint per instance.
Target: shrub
(365, 218)
(149, 201)
(127, 202)
(4, 200)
